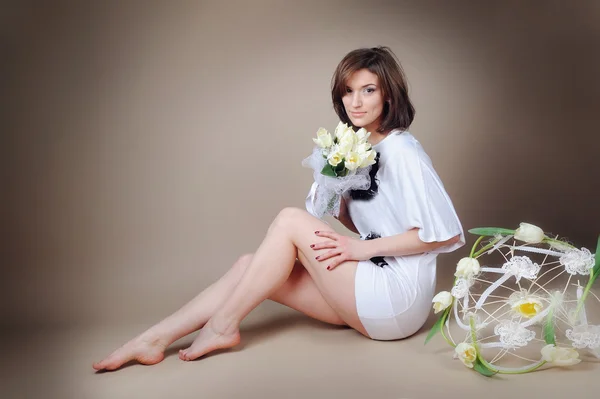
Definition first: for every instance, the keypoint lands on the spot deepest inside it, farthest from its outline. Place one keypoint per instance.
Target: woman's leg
(148, 347)
(288, 237)
(299, 292)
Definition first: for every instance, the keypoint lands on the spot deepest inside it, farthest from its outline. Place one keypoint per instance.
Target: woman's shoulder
(402, 146)
(403, 139)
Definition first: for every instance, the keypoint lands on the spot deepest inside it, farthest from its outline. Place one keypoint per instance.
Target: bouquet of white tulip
(341, 162)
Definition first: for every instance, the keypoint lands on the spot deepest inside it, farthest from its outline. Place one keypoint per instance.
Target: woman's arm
(344, 217)
(407, 243)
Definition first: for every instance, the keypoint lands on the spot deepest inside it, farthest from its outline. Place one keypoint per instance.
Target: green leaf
(491, 231)
(481, 369)
(596, 268)
(437, 327)
(328, 171)
(549, 336)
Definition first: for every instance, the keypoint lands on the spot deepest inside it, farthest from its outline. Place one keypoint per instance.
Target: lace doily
(513, 334)
(461, 288)
(578, 261)
(522, 266)
(584, 336)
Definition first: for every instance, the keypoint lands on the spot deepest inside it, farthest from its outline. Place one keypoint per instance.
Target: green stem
(532, 368)
(442, 327)
(475, 245)
(550, 240)
(473, 333)
(482, 250)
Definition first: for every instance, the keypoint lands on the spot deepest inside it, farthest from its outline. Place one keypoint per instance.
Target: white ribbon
(583, 317)
(499, 243)
(492, 287)
(539, 250)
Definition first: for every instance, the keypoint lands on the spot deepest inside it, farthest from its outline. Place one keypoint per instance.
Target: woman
(380, 285)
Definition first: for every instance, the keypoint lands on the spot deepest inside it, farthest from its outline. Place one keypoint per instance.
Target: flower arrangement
(341, 161)
(508, 320)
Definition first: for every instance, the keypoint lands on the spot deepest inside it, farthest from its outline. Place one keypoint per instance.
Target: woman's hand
(343, 248)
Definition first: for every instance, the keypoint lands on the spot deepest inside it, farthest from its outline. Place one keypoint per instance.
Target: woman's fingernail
(312, 245)
(317, 257)
(316, 232)
(328, 267)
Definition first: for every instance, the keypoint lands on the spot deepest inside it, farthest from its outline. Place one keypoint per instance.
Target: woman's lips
(357, 114)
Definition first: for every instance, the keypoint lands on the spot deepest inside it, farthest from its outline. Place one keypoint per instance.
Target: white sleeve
(421, 193)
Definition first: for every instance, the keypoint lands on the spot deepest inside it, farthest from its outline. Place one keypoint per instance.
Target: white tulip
(368, 158)
(441, 301)
(467, 268)
(323, 139)
(363, 148)
(342, 134)
(349, 136)
(525, 304)
(466, 353)
(340, 129)
(349, 131)
(529, 307)
(529, 233)
(560, 356)
(352, 161)
(335, 158)
(346, 145)
(362, 135)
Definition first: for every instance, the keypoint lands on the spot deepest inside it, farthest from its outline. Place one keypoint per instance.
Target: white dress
(393, 294)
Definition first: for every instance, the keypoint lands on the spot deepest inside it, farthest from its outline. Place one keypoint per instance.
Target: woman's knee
(287, 217)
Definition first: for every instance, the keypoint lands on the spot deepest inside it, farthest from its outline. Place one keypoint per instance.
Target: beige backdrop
(150, 144)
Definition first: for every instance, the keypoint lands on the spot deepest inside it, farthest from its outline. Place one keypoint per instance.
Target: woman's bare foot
(209, 339)
(146, 349)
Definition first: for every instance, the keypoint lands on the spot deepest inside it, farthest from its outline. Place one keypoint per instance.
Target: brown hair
(398, 111)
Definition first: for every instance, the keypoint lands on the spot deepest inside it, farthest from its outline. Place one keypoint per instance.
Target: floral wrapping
(330, 189)
(341, 162)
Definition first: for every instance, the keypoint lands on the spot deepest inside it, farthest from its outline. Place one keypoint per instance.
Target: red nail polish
(317, 257)
(312, 245)
(328, 267)
(316, 232)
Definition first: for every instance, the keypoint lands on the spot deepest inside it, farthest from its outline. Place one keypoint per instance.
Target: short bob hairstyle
(398, 111)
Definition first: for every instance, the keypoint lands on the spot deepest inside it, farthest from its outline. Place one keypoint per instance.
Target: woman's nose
(356, 100)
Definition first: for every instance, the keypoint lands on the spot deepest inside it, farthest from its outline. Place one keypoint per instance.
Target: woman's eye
(370, 90)
(348, 90)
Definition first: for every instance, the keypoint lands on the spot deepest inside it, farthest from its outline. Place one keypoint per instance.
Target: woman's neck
(375, 136)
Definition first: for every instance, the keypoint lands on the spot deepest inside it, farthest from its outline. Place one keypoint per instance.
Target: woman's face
(363, 100)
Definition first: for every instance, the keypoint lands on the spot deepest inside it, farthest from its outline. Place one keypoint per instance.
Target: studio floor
(282, 355)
